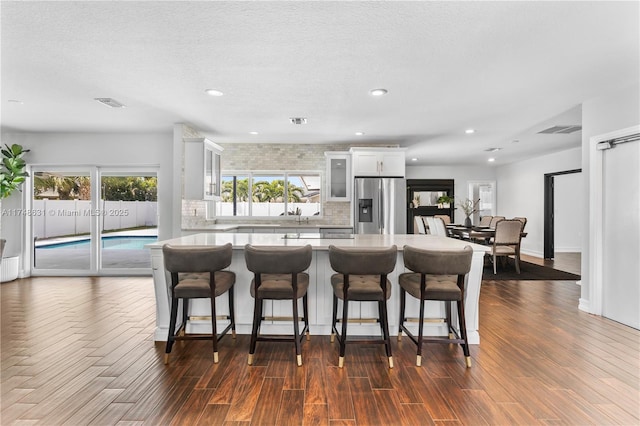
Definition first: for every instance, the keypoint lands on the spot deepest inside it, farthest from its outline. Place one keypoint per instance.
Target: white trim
(596, 221)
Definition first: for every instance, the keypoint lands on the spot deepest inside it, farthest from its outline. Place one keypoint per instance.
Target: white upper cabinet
(339, 179)
(378, 162)
(201, 169)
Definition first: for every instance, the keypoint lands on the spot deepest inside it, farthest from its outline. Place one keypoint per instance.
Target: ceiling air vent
(111, 103)
(298, 120)
(562, 129)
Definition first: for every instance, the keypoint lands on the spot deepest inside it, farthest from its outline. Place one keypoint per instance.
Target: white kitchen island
(320, 291)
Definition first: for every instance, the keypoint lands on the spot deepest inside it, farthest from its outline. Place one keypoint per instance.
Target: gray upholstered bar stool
(437, 275)
(361, 276)
(279, 275)
(197, 272)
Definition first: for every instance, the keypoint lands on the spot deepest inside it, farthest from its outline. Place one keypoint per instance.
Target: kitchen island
(320, 291)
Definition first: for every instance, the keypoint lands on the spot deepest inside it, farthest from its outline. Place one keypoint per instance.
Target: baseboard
(584, 305)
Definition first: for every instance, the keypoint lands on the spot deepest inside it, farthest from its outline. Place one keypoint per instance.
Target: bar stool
(279, 275)
(361, 276)
(196, 272)
(437, 275)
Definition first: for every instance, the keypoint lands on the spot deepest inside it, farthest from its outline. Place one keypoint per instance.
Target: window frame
(286, 174)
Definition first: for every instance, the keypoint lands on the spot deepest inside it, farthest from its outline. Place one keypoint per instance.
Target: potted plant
(469, 207)
(444, 201)
(12, 172)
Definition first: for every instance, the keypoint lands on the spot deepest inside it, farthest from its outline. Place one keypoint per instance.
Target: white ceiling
(506, 69)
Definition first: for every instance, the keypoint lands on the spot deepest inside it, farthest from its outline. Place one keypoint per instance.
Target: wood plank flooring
(79, 351)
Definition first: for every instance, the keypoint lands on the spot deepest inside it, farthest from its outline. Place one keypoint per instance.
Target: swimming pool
(116, 243)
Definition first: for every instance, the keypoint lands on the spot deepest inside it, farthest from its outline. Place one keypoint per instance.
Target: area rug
(528, 272)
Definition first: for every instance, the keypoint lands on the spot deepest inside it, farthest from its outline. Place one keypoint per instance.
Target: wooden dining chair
(523, 220)
(506, 242)
(435, 275)
(445, 218)
(485, 221)
(361, 275)
(418, 225)
(495, 220)
(197, 272)
(279, 274)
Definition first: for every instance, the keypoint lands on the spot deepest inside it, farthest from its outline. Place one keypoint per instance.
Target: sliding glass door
(92, 221)
(61, 219)
(128, 219)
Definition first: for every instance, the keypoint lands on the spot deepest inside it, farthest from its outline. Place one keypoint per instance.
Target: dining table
(474, 233)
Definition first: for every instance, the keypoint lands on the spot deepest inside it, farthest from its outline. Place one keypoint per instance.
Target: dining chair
(418, 225)
(523, 220)
(439, 226)
(506, 241)
(278, 274)
(485, 221)
(445, 218)
(197, 272)
(494, 220)
(361, 275)
(436, 275)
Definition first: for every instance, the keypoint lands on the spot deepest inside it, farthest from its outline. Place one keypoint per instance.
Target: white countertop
(225, 227)
(239, 240)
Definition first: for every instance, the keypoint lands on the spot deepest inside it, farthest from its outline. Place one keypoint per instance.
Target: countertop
(225, 227)
(239, 240)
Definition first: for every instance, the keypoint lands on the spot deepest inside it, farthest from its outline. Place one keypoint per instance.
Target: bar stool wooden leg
(343, 337)
(420, 331)
(214, 327)
(334, 318)
(382, 313)
(305, 312)
(172, 328)
(257, 317)
(402, 307)
(296, 332)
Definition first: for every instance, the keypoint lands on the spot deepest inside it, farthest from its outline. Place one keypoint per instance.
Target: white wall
(461, 175)
(521, 192)
(618, 110)
(102, 149)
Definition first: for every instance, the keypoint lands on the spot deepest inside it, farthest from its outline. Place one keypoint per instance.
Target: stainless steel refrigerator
(380, 206)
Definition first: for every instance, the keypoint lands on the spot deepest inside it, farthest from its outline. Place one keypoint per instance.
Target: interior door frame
(549, 219)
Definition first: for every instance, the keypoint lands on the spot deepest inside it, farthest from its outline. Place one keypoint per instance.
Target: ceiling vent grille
(111, 103)
(298, 120)
(561, 129)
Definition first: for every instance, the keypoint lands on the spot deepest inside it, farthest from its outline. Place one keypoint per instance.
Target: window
(262, 194)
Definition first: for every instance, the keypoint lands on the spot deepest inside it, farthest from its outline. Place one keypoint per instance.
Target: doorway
(94, 221)
(549, 211)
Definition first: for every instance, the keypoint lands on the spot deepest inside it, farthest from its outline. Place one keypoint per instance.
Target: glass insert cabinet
(201, 169)
(338, 187)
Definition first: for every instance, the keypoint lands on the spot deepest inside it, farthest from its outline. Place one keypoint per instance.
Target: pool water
(116, 243)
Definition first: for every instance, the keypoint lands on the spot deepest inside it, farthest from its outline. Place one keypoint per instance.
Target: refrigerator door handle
(381, 206)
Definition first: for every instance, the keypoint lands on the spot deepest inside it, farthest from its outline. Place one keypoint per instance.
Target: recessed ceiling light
(414, 159)
(469, 131)
(493, 149)
(378, 92)
(253, 133)
(491, 160)
(214, 92)
(15, 101)
(359, 133)
(298, 120)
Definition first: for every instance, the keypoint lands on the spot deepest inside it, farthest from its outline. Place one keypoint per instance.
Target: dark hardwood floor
(79, 351)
